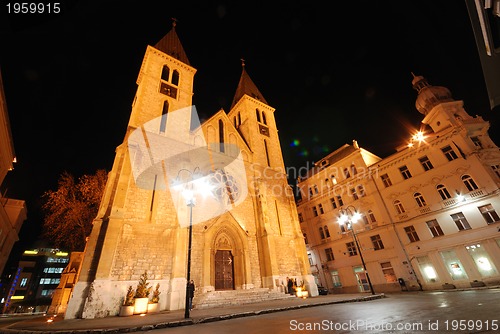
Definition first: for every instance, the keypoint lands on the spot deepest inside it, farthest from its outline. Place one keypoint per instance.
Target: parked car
(322, 290)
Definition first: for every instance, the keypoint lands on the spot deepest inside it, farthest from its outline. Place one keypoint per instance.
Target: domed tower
(437, 104)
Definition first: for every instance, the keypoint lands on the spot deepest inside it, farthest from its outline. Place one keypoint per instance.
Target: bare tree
(70, 210)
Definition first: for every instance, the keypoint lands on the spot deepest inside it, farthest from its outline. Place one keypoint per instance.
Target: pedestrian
(191, 289)
(290, 286)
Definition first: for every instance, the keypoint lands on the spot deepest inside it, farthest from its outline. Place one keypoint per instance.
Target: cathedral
(186, 200)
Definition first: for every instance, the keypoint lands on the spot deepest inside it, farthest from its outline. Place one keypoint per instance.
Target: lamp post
(196, 185)
(348, 216)
(190, 202)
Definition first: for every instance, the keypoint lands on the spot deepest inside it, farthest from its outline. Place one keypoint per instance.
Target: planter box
(153, 308)
(449, 286)
(477, 284)
(141, 305)
(126, 311)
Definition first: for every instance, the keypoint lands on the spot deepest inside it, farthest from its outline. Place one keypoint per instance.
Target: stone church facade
(251, 241)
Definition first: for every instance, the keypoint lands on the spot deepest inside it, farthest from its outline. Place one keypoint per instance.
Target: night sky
(334, 74)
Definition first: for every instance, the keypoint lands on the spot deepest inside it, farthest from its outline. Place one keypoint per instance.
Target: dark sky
(334, 73)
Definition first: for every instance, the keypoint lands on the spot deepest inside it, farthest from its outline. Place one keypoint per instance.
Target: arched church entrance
(224, 270)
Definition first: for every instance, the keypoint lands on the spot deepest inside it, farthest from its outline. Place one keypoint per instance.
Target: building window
(57, 260)
(405, 172)
(163, 121)
(434, 227)
(264, 120)
(45, 281)
(335, 278)
(339, 200)
(412, 233)
(377, 242)
(386, 180)
(47, 293)
(316, 191)
(321, 233)
(310, 192)
(449, 153)
(496, 169)
(477, 142)
(399, 207)
(321, 211)
(327, 231)
(23, 282)
(419, 199)
(388, 271)
(365, 219)
(346, 173)
(427, 269)
(257, 113)
(221, 136)
(165, 73)
(354, 194)
(372, 216)
(426, 163)
(482, 259)
(453, 265)
(175, 78)
(351, 249)
(334, 204)
(361, 191)
(469, 182)
(329, 254)
(301, 217)
(353, 169)
(443, 192)
(489, 214)
(461, 222)
(267, 154)
(315, 211)
(305, 238)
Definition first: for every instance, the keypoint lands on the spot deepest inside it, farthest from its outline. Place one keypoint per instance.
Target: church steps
(236, 297)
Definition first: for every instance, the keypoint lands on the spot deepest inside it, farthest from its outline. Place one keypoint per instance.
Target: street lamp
(348, 216)
(196, 184)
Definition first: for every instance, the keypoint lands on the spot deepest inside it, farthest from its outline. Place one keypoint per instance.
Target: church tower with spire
(244, 235)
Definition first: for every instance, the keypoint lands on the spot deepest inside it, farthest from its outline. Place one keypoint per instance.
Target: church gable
(218, 130)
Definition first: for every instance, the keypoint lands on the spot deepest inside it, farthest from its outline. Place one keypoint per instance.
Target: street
(474, 311)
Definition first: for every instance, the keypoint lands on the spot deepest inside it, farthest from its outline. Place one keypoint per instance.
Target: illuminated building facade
(252, 246)
(33, 284)
(429, 212)
(13, 212)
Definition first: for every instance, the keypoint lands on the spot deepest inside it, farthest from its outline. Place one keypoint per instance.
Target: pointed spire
(246, 86)
(171, 44)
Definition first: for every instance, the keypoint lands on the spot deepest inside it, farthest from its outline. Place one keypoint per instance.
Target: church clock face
(226, 188)
(264, 130)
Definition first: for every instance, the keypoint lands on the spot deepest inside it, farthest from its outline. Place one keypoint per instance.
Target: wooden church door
(224, 270)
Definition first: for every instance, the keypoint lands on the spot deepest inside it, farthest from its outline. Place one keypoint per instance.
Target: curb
(189, 322)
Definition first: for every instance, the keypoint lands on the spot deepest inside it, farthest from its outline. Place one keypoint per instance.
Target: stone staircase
(236, 297)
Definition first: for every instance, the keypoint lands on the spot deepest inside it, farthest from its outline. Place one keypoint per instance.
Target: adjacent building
(425, 217)
(13, 212)
(36, 279)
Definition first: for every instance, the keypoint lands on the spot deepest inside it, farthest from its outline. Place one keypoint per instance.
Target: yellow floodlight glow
(31, 252)
(62, 254)
(17, 297)
(419, 136)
